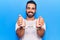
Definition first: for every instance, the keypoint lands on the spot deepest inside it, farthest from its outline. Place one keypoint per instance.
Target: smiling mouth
(30, 14)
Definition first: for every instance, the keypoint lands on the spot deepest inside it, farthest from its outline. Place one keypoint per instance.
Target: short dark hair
(31, 2)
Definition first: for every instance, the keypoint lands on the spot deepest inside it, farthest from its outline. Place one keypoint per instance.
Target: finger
(20, 19)
(37, 23)
(42, 21)
(23, 23)
(39, 19)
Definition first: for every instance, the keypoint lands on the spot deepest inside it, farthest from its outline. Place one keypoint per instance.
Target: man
(30, 28)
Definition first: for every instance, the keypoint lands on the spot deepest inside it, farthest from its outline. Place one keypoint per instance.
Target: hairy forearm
(20, 32)
(40, 32)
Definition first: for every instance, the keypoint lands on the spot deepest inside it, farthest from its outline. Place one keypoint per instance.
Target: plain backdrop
(48, 9)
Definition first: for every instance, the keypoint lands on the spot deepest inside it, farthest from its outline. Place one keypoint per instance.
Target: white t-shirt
(30, 30)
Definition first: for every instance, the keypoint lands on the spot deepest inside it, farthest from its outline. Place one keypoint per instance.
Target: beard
(30, 14)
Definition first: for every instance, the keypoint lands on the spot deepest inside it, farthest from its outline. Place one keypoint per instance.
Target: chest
(30, 27)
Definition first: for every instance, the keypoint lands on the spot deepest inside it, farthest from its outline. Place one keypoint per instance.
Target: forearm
(20, 32)
(40, 32)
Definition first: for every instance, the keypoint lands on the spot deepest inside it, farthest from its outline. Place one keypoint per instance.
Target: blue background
(48, 9)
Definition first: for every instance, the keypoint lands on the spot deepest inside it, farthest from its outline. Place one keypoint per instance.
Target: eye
(33, 8)
(28, 7)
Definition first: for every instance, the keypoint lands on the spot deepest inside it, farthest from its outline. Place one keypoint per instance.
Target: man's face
(30, 10)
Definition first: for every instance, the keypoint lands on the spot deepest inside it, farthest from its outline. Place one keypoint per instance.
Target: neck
(30, 19)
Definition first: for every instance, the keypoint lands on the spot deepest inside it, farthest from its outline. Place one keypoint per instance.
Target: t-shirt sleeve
(16, 26)
(44, 26)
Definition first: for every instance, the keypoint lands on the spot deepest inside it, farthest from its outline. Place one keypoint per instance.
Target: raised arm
(40, 27)
(20, 27)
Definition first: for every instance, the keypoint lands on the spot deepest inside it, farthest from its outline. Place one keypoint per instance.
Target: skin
(20, 31)
(39, 23)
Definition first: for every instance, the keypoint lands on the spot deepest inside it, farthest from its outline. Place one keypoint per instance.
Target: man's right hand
(20, 21)
(21, 24)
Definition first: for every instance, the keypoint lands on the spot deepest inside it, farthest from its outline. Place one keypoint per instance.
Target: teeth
(30, 13)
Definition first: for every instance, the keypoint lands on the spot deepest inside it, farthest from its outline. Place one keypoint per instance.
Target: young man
(30, 28)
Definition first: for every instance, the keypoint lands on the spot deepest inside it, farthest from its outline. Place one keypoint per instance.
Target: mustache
(30, 12)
